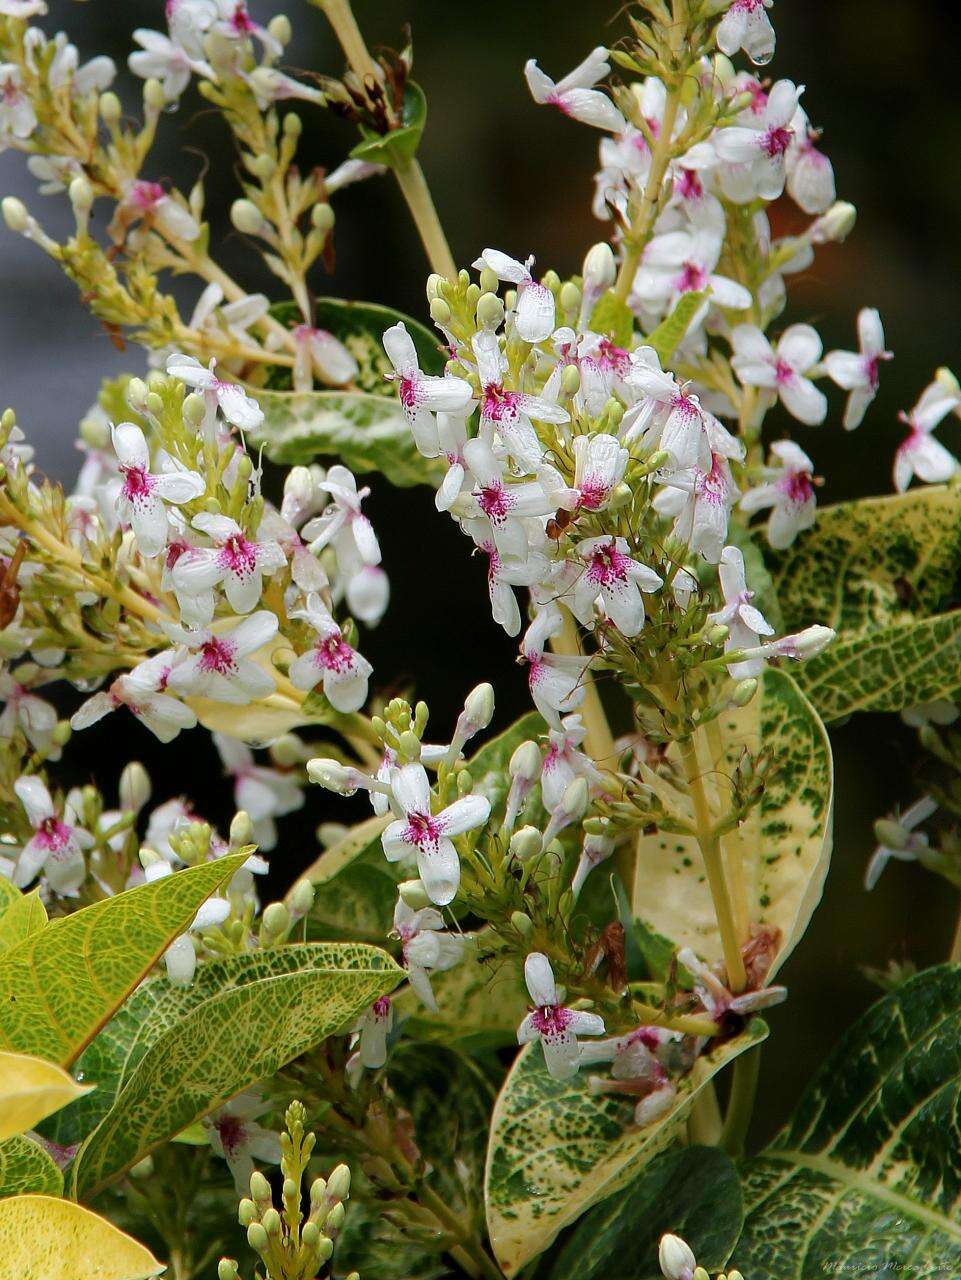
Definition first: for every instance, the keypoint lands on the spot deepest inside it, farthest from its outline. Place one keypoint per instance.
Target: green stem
(646, 215)
(740, 1105)
(469, 1244)
(955, 955)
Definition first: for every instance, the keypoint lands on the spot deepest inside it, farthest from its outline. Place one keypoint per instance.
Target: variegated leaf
(25, 1166)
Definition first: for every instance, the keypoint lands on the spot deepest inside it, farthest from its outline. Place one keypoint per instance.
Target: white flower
(427, 835)
(556, 681)
(188, 21)
(142, 691)
(160, 58)
(368, 594)
(216, 665)
(425, 947)
(371, 1031)
(332, 660)
(611, 575)
(679, 262)
(504, 573)
(700, 501)
(857, 372)
(563, 762)
(763, 148)
(150, 201)
(140, 502)
(575, 94)
(599, 464)
(745, 623)
(237, 407)
(810, 174)
(35, 716)
(261, 792)
(22, 8)
(782, 370)
(234, 1134)
(320, 353)
(534, 313)
(746, 26)
(343, 525)
(17, 116)
(939, 712)
(213, 315)
(505, 506)
(555, 1026)
(180, 958)
(270, 85)
(788, 490)
(596, 849)
(57, 844)
(666, 416)
(510, 413)
(903, 841)
(421, 394)
(236, 23)
(235, 562)
(919, 454)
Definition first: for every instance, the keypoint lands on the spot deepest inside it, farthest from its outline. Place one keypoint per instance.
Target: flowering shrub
(498, 1009)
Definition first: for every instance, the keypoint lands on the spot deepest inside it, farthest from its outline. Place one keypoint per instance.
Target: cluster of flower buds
(290, 1244)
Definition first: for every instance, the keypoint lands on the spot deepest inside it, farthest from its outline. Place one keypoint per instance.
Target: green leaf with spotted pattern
(21, 914)
(60, 985)
(240, 1034)
(695, 1192)
(783, 847)
(556, 1149)
(884, 573)
(25, 1167)
(867, 1175)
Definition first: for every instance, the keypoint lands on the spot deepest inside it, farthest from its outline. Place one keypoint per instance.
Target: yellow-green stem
(646, 215)
(740, 1105)
(732, 845)
(704, 1124)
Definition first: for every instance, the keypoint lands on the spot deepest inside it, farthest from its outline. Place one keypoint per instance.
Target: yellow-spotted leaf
(556, 1149)
(780, 854)
(42, 1238)
(59, 986)
(30, 1090)
(25, 1166)
(263, 1014)
(20, 914)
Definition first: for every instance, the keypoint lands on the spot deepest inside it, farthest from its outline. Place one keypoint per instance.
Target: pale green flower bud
(279, 27)
(95, 433)
(330, 774)
(676, 1259)
(488, 281)
(744, 692)
(414, 894)
(271, 1222)
(302, 898)
(338, 1184)
(135, 787)
(15, 214)
(246, 1212)
(143, 1168)
(621, 496)
(257, 1237)
(325, 1247)
(440, 312)
(490, 310)
(522, 923)
(310, 1234)
(241, 829)
(322, 218)
(154, 98)
(526, 762)
(62, 733)
(287, 751)
(835, 225)
(335, 1219)
(718, 633)
(194, 409)
(247, 218)
(891, 834)
(600, 270)
(262, 166)
(318, 1189)
(276, 920)
(227, 1269)
(81, 195)
(259, 1188)
(526, 843)
(110, 109)
(571, 380)
(569, 297)
(293, 125)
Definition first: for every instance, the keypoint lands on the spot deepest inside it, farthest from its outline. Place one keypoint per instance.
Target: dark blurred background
(881, 77)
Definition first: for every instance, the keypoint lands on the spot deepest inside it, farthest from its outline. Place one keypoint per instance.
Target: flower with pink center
(343, 524)
(216, 664)
(503, 506)
(425, 948)
(236, 23)
(762, 149)
(332, 661)
(510, 414)
(143, 692)
(746, 26)
(679, 262)
(163, 59)
(427, 836)
(17, 116)
(857, 372)
(600, 461)
(148, 201)
(782, 371)
(57, 845)
(788, 490)
(237, 407)
(555, 1026)
(563, 762)
(503, 574)
(555, 680)
(142, 494)
(575, 95)
(902, 841)
(421, 394)
(261, 792)
(534, 314)
(637, 1069)
(744, 622)
(612, 577)
(810, 174)
(322, 355)
(34, 716)
(370, 1037)
(717, 1000)
(234, 1134)
(666, 416)
(919, 454)
(700, 500)
(235, 562)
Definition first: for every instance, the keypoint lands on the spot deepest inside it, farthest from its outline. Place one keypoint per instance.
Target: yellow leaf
(31, 1089)
(42, 1238)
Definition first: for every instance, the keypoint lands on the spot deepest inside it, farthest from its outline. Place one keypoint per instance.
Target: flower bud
(257, 1237)
(435, 286)
(259, 1188)
(81, 195)
(110, 109)
(621, 496)
(479, 707)
(338, 1184)
(526, 762)
(154, 98)
(488, 281)
(241, 829)
(293, 125)
(744, 692)
(522, 923)
(143, 1168)
(805, 644)
(322, 218)
(271, 1222)
(335, 1219)
(331, 774)
(301, 898)
(414, 894)
(227, 1269)
(440, 312)
(194, 409)
(600, 270)
(490, 311)
(569, 297)
(15, 214)
(246, 1212)
(247, 218)
(325, 1247)
(835, 225)
(576, 797)
(676, 1259)
(62, 733)
(891, 834)
(310, 1234)
(95, 433)
(276, 920)
(526, 843)
(571, 380)
(135, 787)
(279, 27)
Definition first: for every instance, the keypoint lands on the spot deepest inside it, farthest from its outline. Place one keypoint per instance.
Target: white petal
(535, 312)
(539, 977)
(440, 872)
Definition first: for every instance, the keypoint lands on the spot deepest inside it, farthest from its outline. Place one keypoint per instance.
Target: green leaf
(24, 1167)
(883, 572)
(238, 1036)
(59, 986)
(694, 1192)
(364, 432)
(670, 333)
(355, 887)
(614, 317)
(867, 1174)
(784, 846)
(397, 148)
(556, 1149)
(42, 1238)
(20, 914)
